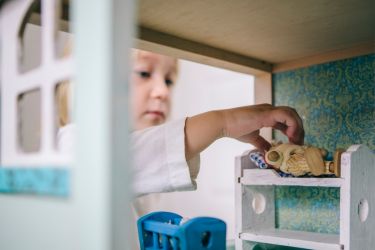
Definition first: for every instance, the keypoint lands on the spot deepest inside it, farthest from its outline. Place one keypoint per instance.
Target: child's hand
(243, 124)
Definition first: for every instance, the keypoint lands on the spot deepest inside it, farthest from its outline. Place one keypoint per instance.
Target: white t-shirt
(158, 158)
(159, 164)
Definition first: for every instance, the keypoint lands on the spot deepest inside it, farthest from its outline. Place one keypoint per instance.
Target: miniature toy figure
(303, 160)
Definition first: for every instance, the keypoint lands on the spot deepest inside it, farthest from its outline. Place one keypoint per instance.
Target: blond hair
(62, 97)
(63, 94)
(136, 54)
(63, 89)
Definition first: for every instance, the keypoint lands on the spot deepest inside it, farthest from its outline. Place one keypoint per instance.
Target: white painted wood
(14, 83)
(241, 162)
(270, 177)
(263, 198)
(245, 198)
(294, 239)
(357, 202)
(238, 190)
(94, 216)
(103, 35)
(358, 170)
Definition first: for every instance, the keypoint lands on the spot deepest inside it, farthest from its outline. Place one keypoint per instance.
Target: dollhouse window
(32, 69)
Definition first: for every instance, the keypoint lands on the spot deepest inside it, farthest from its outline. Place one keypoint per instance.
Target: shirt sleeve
(159, 160)
(66, 139)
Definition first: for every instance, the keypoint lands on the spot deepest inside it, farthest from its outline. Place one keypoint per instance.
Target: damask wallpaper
(337, 103)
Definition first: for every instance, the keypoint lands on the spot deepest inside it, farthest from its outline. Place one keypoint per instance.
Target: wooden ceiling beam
(354, 51)
(159, 42)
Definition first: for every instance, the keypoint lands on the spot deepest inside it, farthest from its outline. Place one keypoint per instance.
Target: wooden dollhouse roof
(271, 31)
(255, 36)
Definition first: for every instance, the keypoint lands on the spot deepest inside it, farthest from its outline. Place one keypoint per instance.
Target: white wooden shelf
(270, 177)
(294, 238)
(255, 204)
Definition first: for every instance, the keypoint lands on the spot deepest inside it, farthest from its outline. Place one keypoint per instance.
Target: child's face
(152, 79)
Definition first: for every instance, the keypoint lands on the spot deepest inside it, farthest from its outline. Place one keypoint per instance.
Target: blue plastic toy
(163, 230)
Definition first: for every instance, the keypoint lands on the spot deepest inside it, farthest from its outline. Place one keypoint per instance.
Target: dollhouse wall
(93, 213)
(337, 103)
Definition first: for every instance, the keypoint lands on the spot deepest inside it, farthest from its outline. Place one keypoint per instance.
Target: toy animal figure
(303, 160)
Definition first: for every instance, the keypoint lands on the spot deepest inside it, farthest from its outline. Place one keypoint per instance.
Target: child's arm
(241, 123)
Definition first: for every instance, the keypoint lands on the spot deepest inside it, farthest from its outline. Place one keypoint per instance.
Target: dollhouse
(315, 56)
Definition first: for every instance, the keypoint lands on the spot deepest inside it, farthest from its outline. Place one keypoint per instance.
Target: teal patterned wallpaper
(337, 103)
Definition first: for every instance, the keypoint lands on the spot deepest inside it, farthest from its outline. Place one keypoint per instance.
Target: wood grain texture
(164, 43)
(272, 31)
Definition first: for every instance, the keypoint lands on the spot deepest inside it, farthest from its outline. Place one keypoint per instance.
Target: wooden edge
(337, 162)
(263, 94)
(163, 43)
(166, 44)
(171, 45)
(260, 174)
(263, 88)
(357, 50)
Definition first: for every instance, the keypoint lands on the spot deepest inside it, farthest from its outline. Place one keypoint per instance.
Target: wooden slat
(358, 50)
(300, 239)
(270, 177)
(164, 43)
(274, 31)
(263, 94)
(250, 36)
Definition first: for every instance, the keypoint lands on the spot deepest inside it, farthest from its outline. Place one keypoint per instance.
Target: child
(165, 154)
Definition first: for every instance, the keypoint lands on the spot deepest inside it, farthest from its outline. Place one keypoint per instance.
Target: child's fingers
(256, 140)
(289, 122)
(243, 121)
(297, 139)
(260, 143)
(280, 126)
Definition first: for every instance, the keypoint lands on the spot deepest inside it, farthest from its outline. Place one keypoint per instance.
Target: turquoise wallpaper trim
(337, 103)
(40, 181)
